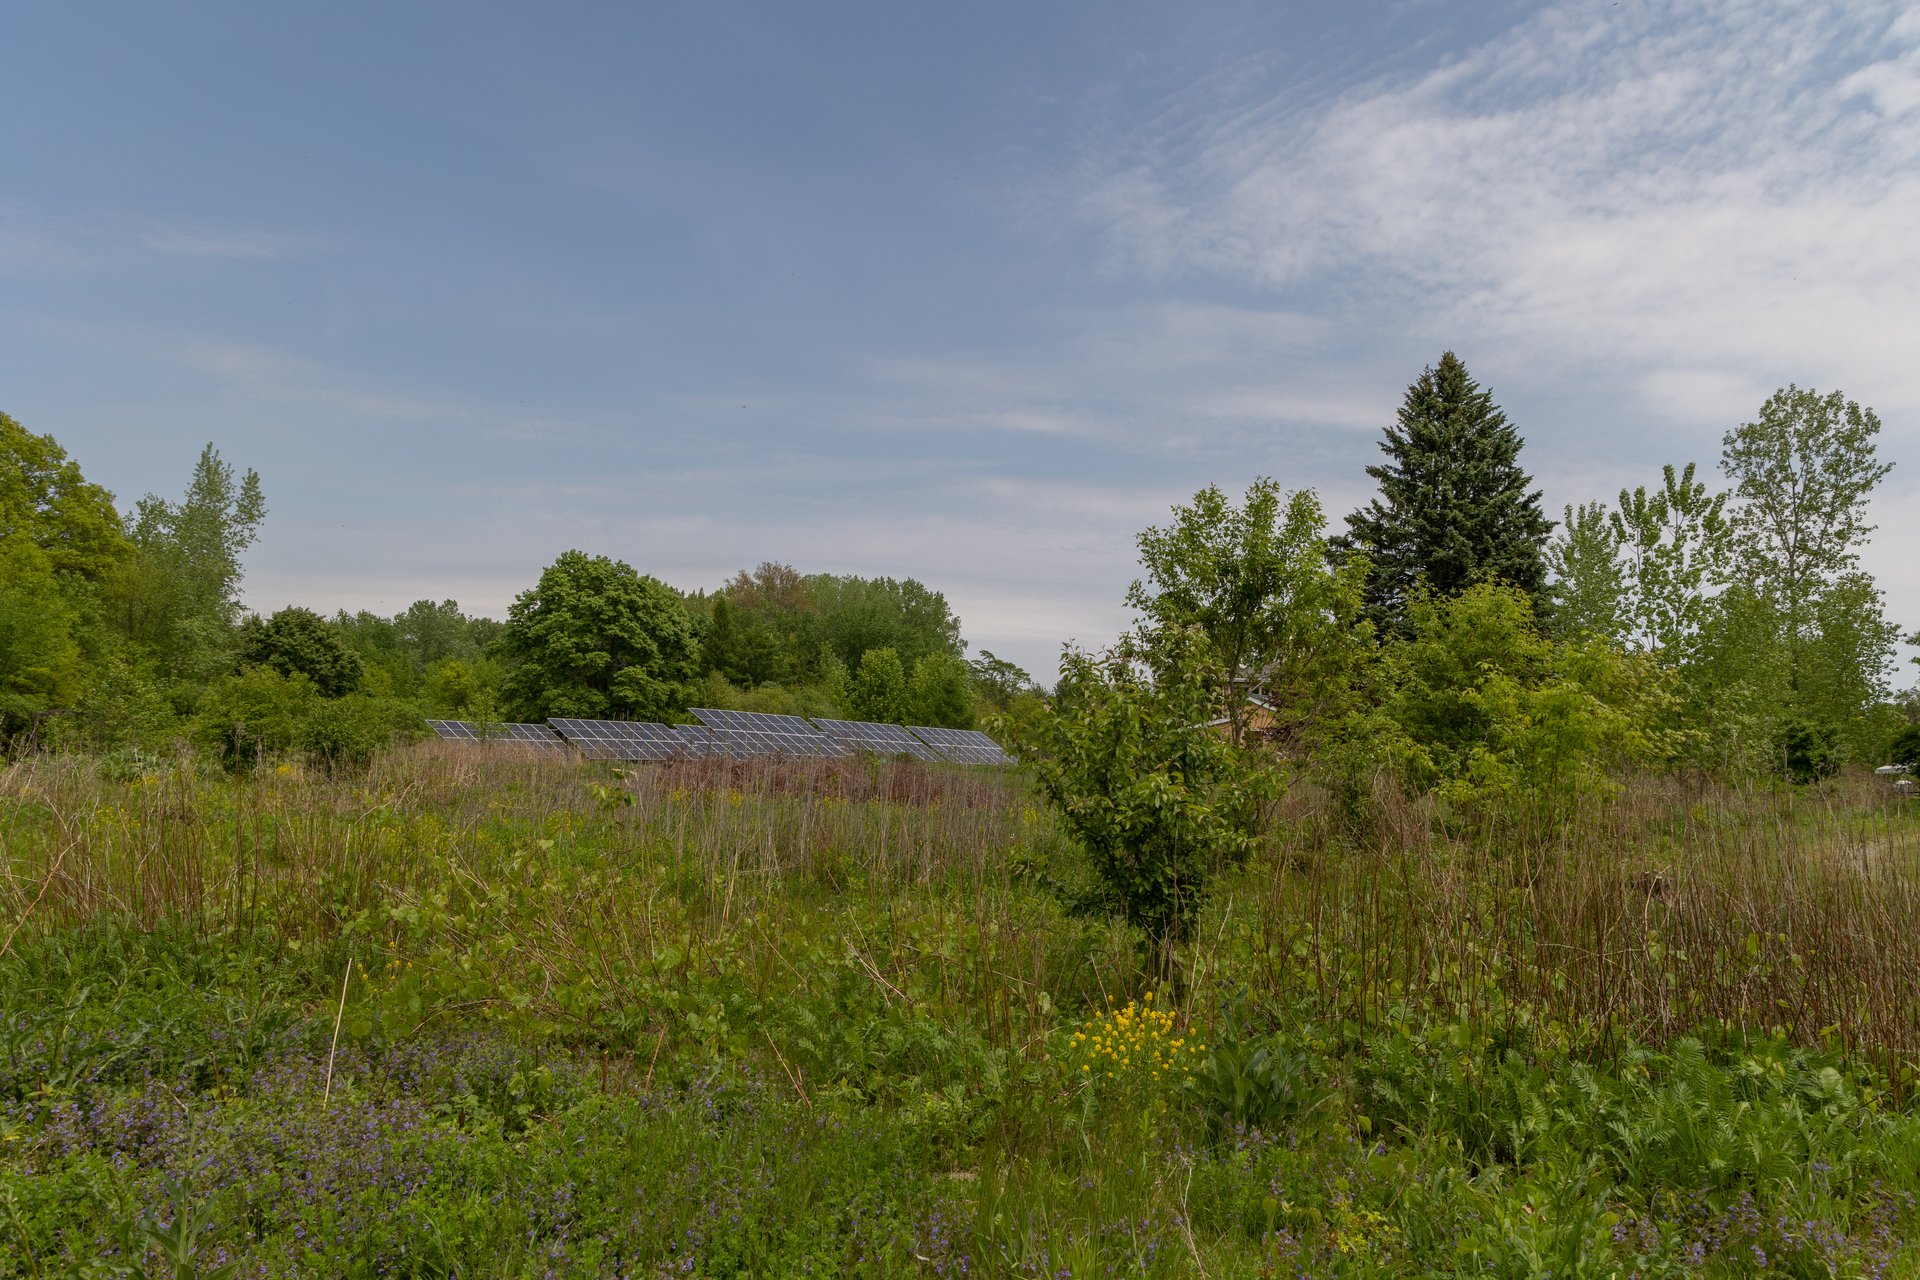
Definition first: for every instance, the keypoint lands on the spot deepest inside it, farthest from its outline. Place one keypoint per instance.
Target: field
(477, 1013)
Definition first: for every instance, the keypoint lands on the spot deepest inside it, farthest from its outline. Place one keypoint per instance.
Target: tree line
(1451, 633)
(125, 631)
(1455, 645)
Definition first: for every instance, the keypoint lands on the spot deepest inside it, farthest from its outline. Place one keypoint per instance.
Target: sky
(967, 293)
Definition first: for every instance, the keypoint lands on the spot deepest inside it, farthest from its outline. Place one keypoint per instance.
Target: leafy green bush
(1905, 747)
(1156, 799)
(261, 713)
(341, 734)
(1487, 709)
(1807, 751)
(252, 715)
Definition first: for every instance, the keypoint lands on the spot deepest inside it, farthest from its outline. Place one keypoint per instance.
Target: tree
(1258, 582)
(1676, 542)
(428, 632)
(60, 537)
(1844, 661)
(178, 597)
(998, 682)
(462, 689)
(1487, 709)
(939, 694)
(298, 641)
(858, 614)
(400, 651)
(1589, 582)
(254, 714)
(1803, 471)
(596, 639)
(1155, 799)
(1454, 506)
(753, 646)
(40, 661)
(45, 501)
(879, 692)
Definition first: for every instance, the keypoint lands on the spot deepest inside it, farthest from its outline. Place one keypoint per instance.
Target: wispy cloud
(34, 239)
(1727, 187)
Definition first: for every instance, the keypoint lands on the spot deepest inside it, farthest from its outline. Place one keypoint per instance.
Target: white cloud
(1726, 186)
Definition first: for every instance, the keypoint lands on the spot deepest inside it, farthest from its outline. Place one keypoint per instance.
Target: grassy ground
(480, 1014)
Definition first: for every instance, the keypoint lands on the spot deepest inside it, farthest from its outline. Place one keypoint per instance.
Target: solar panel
(756, 733)
(692, 742)
(880, 739)
(526, 735)
(963, 746)
(619, 739)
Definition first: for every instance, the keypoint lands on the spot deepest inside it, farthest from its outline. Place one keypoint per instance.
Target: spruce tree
(1454, 507)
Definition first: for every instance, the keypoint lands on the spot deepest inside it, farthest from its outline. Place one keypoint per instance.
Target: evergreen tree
(1454, 507)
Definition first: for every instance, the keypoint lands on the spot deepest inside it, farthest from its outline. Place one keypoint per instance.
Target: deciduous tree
(939, 693)
(1156, 799)
(1676, 544)
(1803, 471)
(178, 597)
(879, 692)
(1589, 582)
(1285, 623)
(45, 501)
(298, 641)
(596, 639)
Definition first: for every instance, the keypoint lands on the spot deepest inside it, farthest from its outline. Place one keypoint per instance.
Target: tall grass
(1671, 905)
(1668, 906)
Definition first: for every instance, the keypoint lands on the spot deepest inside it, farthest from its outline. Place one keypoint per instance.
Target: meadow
(484, 1013)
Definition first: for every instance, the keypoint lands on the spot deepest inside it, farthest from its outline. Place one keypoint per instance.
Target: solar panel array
(526, 735)
(738, 735)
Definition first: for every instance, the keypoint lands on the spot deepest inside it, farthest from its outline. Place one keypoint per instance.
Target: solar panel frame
(696, 742)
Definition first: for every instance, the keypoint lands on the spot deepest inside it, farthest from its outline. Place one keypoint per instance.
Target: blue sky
(970, 293)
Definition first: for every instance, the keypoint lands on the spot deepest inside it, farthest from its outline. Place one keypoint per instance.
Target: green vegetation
(1377, 907)
(1454, 506)
(835, 1018)
(124, 633)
